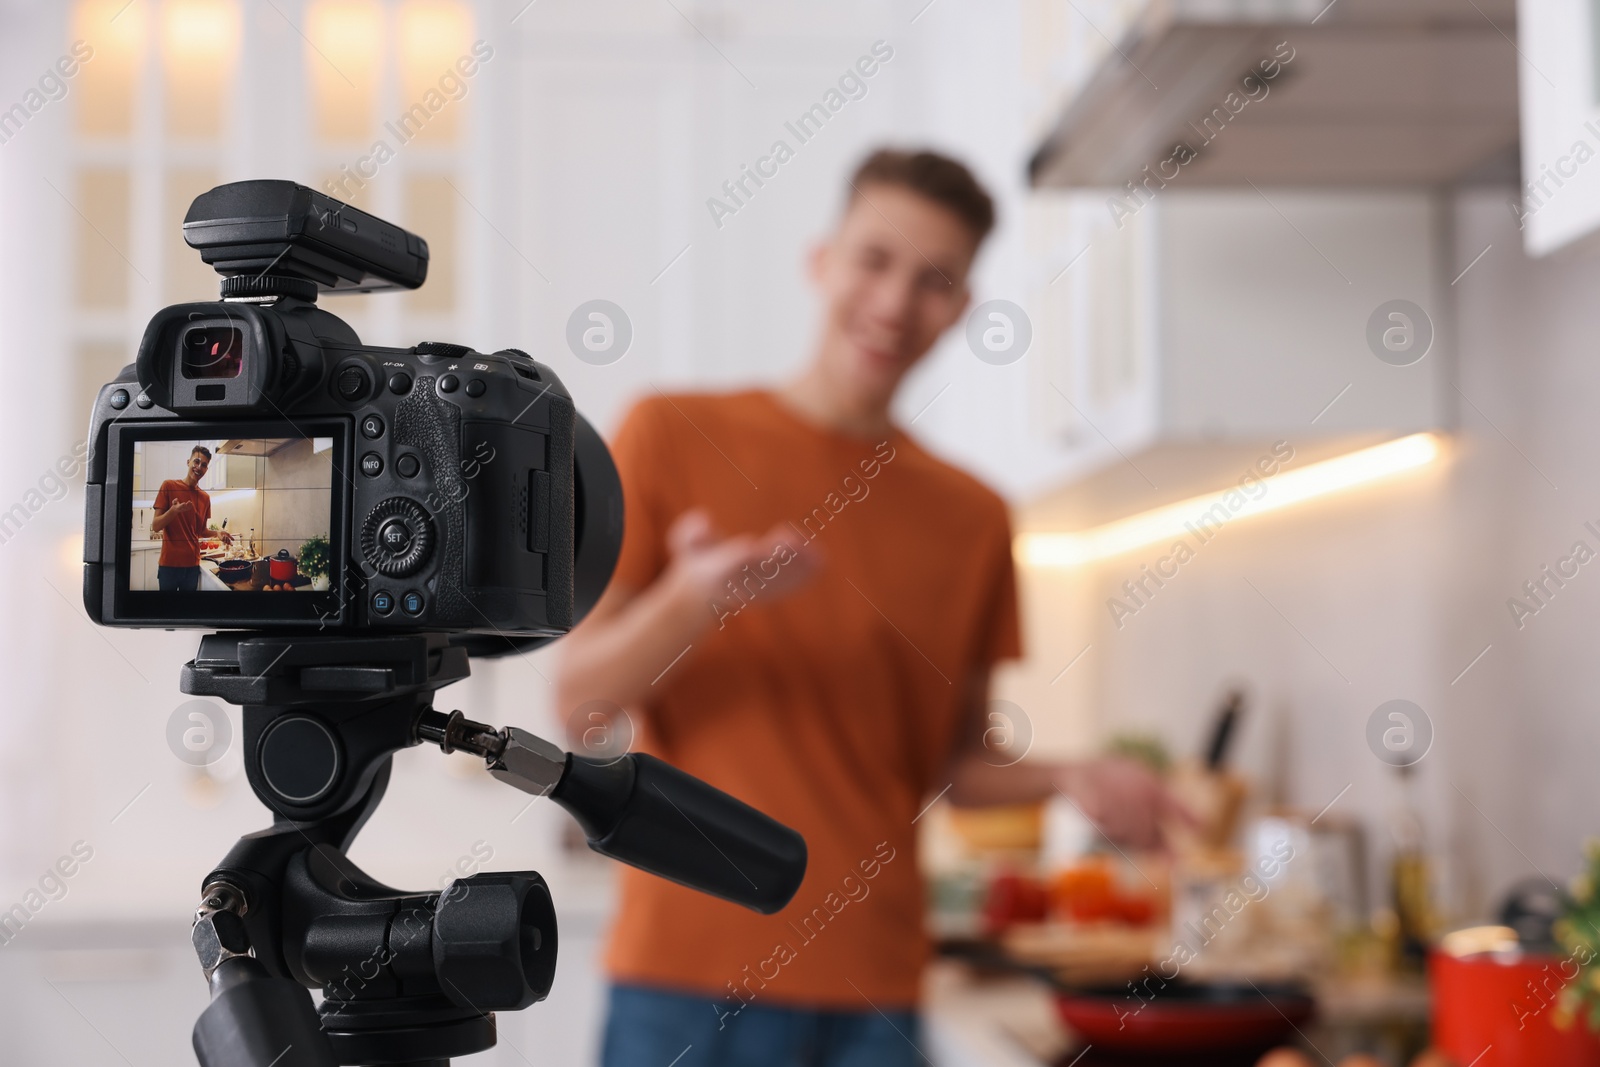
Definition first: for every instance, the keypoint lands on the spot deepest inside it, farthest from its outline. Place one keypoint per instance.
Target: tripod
(413, 978)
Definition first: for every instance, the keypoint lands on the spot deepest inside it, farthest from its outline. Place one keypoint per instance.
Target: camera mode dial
(397, 537)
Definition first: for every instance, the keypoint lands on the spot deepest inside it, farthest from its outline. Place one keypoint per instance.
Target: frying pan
(1185, 1016)
(233, 570)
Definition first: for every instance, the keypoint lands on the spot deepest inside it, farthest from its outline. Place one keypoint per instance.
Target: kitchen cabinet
(1241, 316)
(142, 562)
(1560, 99)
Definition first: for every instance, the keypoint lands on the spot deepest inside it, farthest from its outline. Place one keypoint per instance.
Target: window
(157, 110)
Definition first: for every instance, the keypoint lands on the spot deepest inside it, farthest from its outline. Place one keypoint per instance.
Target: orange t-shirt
(833, 709)
(180, 538)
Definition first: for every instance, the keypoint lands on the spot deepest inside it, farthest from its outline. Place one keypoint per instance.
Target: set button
(395, 537)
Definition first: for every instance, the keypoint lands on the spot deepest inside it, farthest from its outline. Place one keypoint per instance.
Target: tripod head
(413, 978)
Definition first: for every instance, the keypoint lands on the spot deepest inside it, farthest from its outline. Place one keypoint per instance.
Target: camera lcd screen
(231, 515)
(232, 523)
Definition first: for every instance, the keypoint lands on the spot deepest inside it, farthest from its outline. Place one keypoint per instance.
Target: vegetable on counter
(1090, 892)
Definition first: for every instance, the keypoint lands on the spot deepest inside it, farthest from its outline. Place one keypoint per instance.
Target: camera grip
(652, 816)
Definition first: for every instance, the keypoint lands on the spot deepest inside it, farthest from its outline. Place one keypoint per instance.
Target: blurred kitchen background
(1188, 317)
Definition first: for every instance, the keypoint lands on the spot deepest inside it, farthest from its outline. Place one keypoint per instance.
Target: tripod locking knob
(514, 756)
(494, 941)
(528, 762)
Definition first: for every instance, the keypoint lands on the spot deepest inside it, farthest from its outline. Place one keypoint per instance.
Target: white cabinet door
(1560, 199)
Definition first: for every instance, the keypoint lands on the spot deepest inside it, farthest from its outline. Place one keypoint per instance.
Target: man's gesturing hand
(703, 563)
(1126, 800)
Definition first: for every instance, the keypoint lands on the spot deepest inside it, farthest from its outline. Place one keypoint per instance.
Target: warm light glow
(434, 31)
(199, 32)
(1174, 521)
(200, 52)
(113, 34)
(344, 44)
(71, 553)
(434, 34)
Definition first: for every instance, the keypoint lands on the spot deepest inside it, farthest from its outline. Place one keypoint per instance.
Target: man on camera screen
(182, 510)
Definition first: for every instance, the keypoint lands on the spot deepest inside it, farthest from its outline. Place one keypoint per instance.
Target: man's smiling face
(198, 465)
(893, 277)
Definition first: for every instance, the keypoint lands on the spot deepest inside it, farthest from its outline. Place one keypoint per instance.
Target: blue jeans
(648, 1027)
(177, 579)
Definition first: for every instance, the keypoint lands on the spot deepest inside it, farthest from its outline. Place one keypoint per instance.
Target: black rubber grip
(258, 1021)
(650, 815)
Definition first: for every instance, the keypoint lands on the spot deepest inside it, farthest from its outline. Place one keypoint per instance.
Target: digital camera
(259, 467)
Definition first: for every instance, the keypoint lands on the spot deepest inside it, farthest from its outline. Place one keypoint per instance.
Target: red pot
(1505, 1002)
(284, 566)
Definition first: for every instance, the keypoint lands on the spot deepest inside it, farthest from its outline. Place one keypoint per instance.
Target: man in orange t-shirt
(182, 510)
(805, 614)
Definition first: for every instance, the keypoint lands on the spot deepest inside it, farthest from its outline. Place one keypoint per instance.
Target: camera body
(429, 488)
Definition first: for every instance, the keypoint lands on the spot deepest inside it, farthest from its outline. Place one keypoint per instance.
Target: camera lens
(212, 352)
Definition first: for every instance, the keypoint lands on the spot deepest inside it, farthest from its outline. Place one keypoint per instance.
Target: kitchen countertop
(977, 1018)
(982, 1021)
(209, 579)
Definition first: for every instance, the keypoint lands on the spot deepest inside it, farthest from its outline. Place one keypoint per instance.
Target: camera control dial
(397, 537)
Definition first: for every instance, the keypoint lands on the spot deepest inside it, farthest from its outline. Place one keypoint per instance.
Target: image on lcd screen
(231, 515)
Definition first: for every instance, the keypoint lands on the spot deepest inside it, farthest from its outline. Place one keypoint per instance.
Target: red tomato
(1136, 910)
(1014, 898)
(1086, 892)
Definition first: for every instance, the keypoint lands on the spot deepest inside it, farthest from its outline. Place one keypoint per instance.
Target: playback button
(383, 602)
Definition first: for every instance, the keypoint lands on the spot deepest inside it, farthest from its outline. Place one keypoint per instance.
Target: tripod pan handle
(255, 1020)
(652, 816)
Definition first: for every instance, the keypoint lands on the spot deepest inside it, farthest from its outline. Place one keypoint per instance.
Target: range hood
(1269, 271)
(1378, 92)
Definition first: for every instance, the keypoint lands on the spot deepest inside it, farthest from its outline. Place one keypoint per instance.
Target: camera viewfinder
(212, 352)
